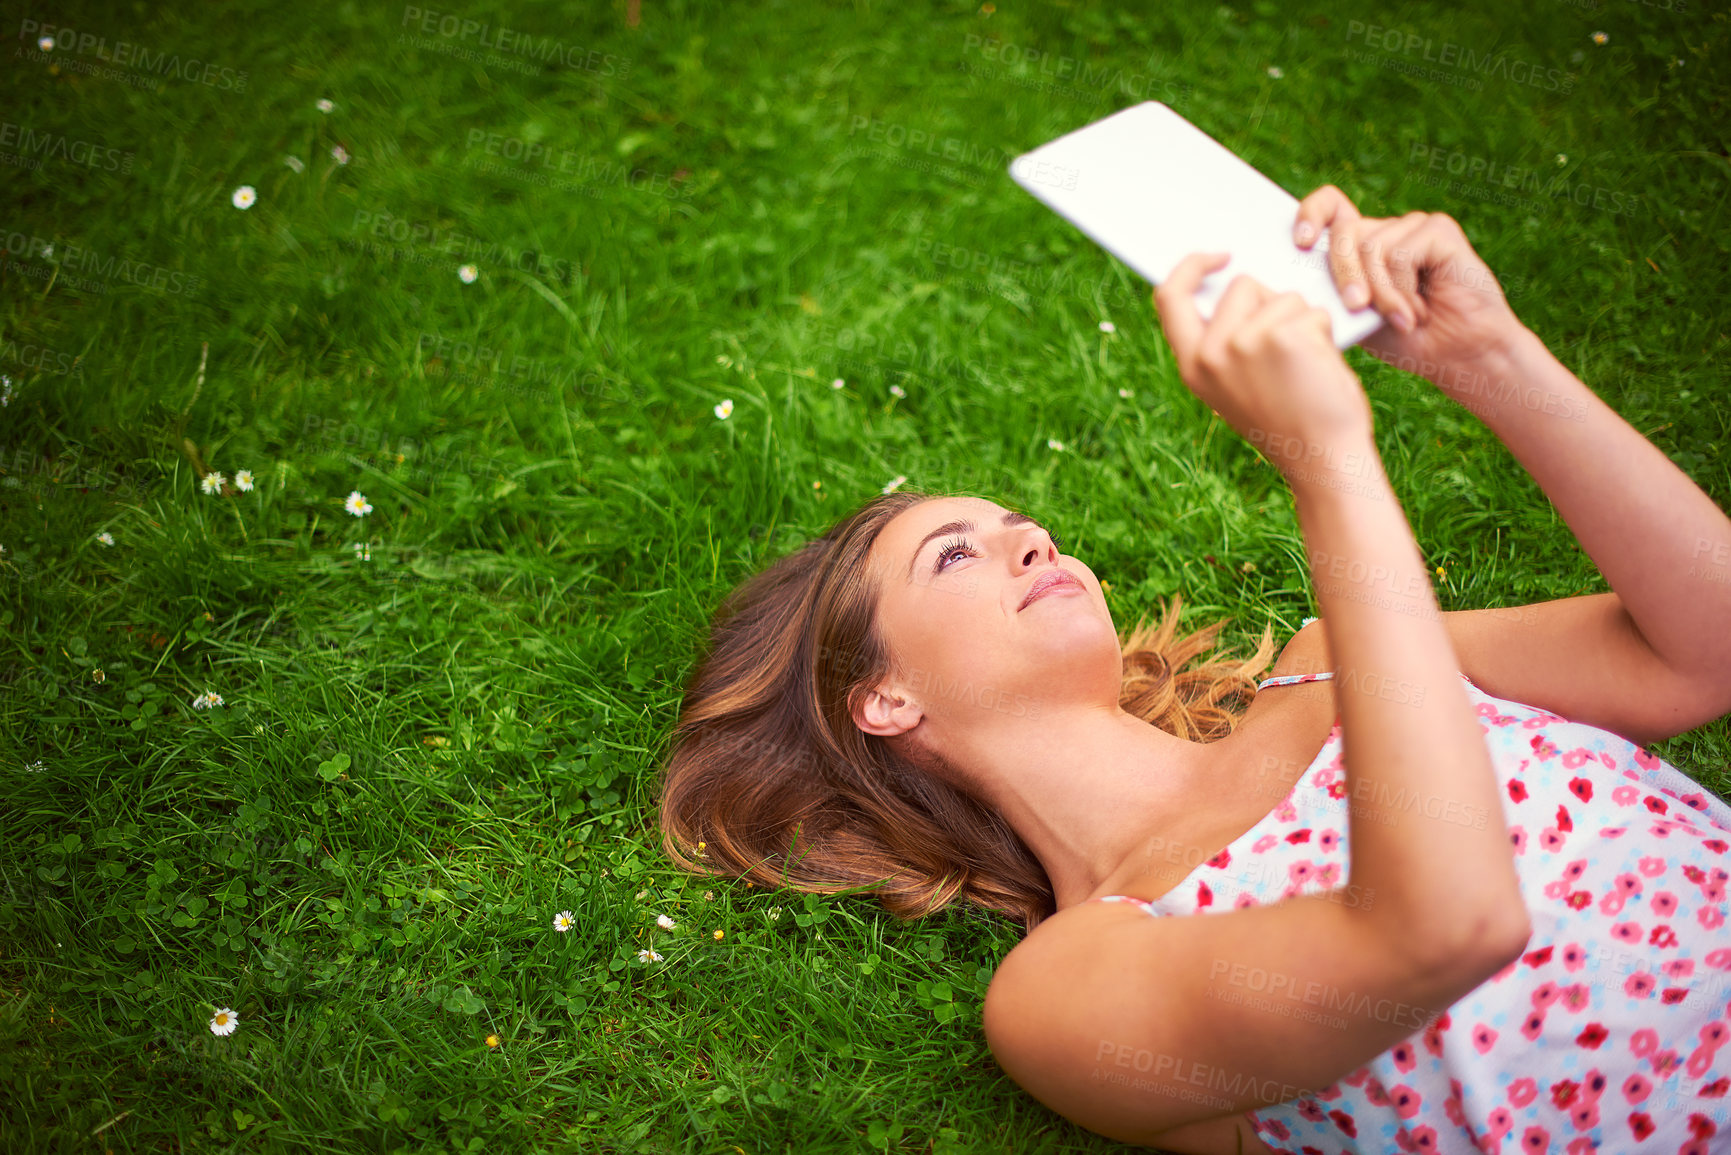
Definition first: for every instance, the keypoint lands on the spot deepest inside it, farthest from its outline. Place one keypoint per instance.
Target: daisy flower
(244, 196)
(1274, 71)
(563, 921)
(725, 409)
(46, 43)
(356, 504)
(98, 676)
(1054, 444)
(1599, 38)
(5, 390)
(468, 273)
(363, 550)
(223, 1022)
(243, 480)
(105, 538)
(1562, 158)
(295, 163)
(1108, 327)
(323, 105)
(896, 483)
(837, 383)
(1125, 393)
(648, 956)
(339, 154)
(207, 700)
(665, 923)
(212, 482)
(898, 391)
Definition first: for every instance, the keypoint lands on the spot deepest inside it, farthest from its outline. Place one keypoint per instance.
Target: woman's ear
(884, 714)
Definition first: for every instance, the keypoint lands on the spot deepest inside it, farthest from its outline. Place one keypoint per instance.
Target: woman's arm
(1661, 543)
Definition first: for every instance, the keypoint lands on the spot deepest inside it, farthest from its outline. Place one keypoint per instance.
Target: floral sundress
(1607, 1034)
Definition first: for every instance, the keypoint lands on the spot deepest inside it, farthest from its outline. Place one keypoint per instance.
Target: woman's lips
(1054, 582)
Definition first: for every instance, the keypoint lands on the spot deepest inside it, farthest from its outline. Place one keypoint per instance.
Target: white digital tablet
(1150, 187)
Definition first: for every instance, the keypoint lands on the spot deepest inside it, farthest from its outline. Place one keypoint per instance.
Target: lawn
(519, 335)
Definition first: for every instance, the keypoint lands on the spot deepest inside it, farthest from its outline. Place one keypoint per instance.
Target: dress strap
(1147, 907)
(1290, 679)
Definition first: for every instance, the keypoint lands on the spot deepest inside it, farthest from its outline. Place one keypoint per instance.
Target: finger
(1175, 300)
(1436, 248)
(1316, 211)
(1278, 309)
(1390, 271)
(1242, 299)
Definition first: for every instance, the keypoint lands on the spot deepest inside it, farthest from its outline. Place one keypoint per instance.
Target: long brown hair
(770, 780)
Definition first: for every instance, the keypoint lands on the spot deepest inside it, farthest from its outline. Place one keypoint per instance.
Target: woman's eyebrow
(960, 525)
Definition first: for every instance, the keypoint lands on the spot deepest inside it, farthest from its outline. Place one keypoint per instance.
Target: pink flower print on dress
(1500, 1122)
(1638, 986)
(1645, 760)
(1584, 1115)
(1591, 1036)
(1263, 843)
(1543, 749)
(1574, 957)
(1535, 1140)
(1611, 904)
(1625, 795)
(1664, 903)
(1651, 866)
(1484, 1038)
(1518, 836)
(1682, 968)
(1643, 1043)
(1574, 759)
(1517, 790)
(1328, 874)
(1545, 994)
(1243, 901)
(1581, 788)
(1328, 840)
(1662, 936)
(1405, 1100)
(1405, 1058)
(1300, 872)
(1375, 1092)
(1710, 917)
(1523, 1091)
(1626, 931)
(1575, 997)
(1533, 1025)
(1551, 840)
(1719, 959)
(1665, 1062)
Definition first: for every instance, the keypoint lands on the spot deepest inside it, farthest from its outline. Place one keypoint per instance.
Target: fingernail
(1356, 296)
(1303, 232)
(1401, 321)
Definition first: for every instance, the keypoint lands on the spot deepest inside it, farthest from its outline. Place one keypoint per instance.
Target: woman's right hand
(1266, 364)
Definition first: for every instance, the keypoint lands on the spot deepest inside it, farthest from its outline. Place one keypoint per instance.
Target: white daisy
(837, 383)
(648, 956)
(363, 551)
(295, 163)
(563, 921)
(46, 43)
(1123, 392)
(339, 154)
(207, 700)
(468, 273)
(244, 196)
(1054, 444)
(1274, 71)
(223, 1022)
(356, 504)
(323, 105)
(5, 390)
(105, 538)
(665, 923)
(1562, 158)
(896, 483)
(898, 391)
(212, 482)
(725, 409)
(1108, 327)
(774, 913)
(36, 767)
(1599, 38)
(243, 480)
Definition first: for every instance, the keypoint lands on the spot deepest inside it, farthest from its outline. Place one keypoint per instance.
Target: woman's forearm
(1661, 543)
(1421, 794)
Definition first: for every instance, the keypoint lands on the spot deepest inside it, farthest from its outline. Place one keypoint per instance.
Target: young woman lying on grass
(1526, 948)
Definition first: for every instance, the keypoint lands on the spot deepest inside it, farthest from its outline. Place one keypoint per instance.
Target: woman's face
(966, 645)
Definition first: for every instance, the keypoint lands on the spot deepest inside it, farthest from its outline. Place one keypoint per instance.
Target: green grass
(554, 520)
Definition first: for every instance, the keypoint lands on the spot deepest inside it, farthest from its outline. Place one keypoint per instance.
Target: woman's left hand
(1445, 311)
